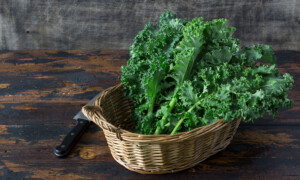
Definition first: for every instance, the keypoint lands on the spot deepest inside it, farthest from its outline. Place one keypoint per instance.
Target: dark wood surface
(41, 91)
(103, 24)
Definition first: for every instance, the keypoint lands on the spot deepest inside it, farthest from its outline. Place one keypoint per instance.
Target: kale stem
(151, 106)
(164, 118)
(183, 118)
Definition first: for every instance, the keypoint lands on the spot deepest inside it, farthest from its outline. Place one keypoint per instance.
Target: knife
(76, 132)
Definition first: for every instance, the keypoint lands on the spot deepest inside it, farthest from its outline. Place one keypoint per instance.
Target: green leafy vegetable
(182, 75)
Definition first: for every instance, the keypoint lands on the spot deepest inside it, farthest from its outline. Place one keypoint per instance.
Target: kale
(182, 75)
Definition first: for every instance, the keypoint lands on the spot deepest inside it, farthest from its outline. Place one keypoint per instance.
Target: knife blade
(82, 123)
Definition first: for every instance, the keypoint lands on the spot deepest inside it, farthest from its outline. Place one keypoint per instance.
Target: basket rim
(132, 136)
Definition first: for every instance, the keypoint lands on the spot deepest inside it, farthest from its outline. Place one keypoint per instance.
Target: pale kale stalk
(192, 99)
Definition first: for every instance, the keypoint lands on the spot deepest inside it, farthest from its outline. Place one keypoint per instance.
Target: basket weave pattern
(154, 154)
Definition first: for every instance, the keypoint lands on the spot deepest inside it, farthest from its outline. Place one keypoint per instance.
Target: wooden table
(41, 91)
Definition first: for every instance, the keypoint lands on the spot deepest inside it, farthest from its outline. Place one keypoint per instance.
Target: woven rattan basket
(154, 154)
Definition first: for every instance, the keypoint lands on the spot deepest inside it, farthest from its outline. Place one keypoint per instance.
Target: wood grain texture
(40, 92)
(90, 24)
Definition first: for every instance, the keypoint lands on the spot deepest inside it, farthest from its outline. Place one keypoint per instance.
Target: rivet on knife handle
(71, 138)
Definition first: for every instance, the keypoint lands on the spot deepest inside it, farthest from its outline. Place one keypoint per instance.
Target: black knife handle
(71, 138)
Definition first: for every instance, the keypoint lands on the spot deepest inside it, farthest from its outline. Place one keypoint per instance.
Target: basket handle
(94, 113)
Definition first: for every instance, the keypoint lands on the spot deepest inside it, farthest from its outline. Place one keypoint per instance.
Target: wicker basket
(154, 154)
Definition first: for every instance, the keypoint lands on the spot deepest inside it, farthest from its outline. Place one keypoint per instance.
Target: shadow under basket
(154, 154)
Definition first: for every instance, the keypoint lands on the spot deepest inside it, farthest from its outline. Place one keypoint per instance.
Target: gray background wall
(110, 24)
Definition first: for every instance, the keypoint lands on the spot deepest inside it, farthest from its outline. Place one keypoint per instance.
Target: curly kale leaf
(186, 54)
(150, 57)
(182, 75)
